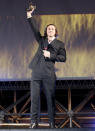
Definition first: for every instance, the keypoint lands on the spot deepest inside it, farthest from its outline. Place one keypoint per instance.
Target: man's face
(51, 30)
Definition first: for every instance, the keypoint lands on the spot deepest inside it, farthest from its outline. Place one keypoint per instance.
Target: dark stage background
(75, 20)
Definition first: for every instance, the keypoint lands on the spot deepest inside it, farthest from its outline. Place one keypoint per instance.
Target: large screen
(18, 45)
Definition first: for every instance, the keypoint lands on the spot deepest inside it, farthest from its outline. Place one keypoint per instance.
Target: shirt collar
(51, 40)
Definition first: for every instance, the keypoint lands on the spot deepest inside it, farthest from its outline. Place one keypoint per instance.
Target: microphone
(45, 46)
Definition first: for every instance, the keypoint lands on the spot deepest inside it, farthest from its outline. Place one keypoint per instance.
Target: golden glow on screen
(77, 31)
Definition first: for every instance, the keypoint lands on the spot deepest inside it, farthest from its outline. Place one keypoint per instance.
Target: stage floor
(65, 129)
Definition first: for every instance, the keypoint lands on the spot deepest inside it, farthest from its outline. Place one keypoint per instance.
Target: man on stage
(50, 51)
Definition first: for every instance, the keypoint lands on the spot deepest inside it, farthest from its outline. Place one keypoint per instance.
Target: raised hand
(30, 10)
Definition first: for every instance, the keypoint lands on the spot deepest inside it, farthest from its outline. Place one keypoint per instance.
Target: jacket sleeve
(35, 30)
(60, 56)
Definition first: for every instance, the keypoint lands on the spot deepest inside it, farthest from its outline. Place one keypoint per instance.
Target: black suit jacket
(56, 47)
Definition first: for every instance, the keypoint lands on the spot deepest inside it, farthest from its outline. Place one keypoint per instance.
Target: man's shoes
(34, 126)
(52, 125)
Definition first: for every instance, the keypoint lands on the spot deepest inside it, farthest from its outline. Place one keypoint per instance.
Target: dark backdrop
(75, 20)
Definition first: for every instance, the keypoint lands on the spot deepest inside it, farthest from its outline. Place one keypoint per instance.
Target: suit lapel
(53, 43)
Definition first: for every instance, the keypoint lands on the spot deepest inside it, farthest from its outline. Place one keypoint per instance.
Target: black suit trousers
(49, 89)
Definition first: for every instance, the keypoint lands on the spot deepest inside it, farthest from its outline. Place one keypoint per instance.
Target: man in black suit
(43, 72)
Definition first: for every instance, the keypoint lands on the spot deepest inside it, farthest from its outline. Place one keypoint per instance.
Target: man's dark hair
(45, 31)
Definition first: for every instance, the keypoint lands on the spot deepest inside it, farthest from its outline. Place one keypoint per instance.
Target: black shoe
(34, 126)
(52, 125)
